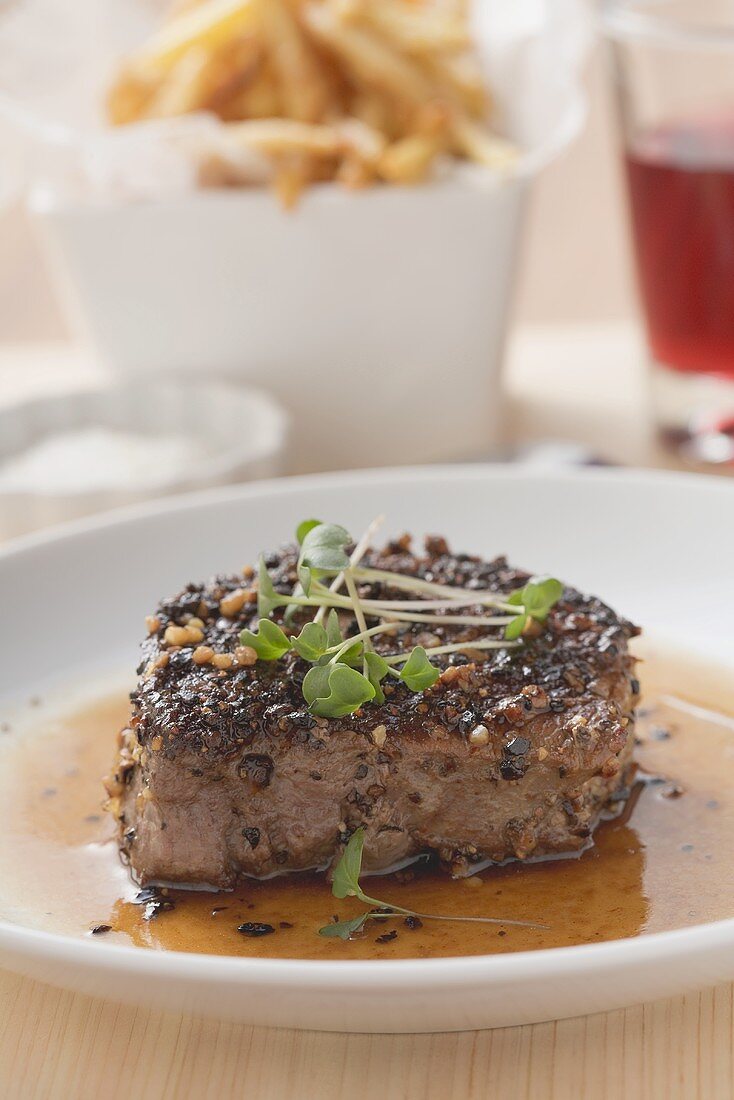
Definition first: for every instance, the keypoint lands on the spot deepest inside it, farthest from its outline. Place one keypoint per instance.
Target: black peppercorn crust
(223, 773)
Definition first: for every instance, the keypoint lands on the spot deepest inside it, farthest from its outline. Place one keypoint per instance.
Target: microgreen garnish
(270, 643)
(534, 599)
(316, 683)
(267, 598)
(333, 691)
(345, 929)
(376, 669)
(347, 671)
(322, 552)
(311, 643)
(304, 527)
(346, 884)
(333, 633)
(418, 672)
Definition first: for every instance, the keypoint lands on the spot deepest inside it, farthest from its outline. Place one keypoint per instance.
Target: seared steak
(223, 773)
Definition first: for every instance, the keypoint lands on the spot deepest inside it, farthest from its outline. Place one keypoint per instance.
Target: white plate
(657, 546)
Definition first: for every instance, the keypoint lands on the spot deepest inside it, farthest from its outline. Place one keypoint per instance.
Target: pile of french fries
(357, 91)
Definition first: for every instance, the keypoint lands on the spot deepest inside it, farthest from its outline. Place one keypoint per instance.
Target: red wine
(681, 185)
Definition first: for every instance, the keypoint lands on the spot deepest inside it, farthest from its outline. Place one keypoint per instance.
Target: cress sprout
(346, 884)
(347, 672)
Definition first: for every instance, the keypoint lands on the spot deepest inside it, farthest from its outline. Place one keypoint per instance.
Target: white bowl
(228, 434)
(658, 547)
(377, 318)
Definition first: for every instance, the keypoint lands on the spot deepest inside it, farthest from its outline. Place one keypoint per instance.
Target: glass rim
(637, 20)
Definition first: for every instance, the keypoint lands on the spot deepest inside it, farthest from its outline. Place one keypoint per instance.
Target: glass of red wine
(673, 63)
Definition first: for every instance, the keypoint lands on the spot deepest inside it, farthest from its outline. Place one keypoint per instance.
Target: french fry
(304, 88)
(476, 143)
(183, 90)
(363, 147)
(375, 111)
(368, 58)
(354, 173)
(460, 78)
(281, 136)
(294, 172)
(363, 142)
(233, 69)
(129, 96)
(357, 91)
(415, 30)
(292, 176)
(409, 160)
(259, 99)
(204, 81)
(221, 169)
(432, 120)
(210, 25)
(347, 10)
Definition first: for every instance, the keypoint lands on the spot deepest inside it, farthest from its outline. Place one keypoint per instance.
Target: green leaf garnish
(304, 527)
(418, 672)
(376, 669)
(347, 671)
(515, 628)
(322, 553)
(311, 643)
(344, 929)
(316, 683)
(270, 643)
(333, 631)
(353, 655)
(345, 884)
(347, 690)
(267, 598)
(538, 596)
(292, 609)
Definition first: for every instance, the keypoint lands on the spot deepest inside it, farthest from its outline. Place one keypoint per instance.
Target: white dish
(657, 546)
(211, 434)
(383, 290)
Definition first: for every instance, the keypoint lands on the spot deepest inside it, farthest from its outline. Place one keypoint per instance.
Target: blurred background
(432, 322)
(577, 219)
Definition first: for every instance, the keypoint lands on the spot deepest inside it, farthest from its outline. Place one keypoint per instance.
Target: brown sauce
(664, 862)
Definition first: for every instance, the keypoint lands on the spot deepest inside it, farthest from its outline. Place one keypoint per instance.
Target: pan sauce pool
(663, 862)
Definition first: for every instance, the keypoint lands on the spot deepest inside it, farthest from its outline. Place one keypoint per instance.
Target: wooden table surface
(587, 385)
(56, 1044)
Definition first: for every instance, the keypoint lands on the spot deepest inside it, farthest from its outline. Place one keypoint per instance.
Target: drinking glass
(673, 65)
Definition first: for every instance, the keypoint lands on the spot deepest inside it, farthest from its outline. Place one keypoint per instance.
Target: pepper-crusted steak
(223, 773)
